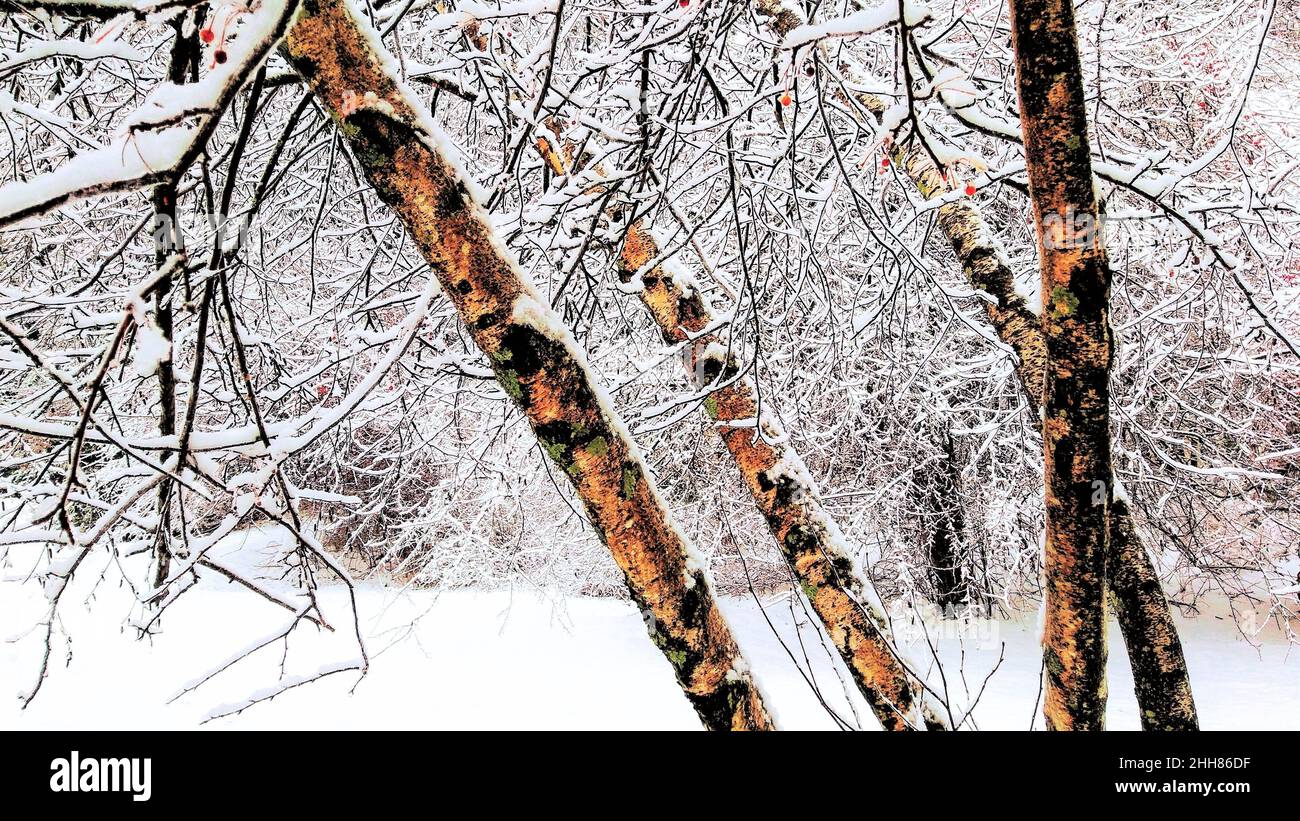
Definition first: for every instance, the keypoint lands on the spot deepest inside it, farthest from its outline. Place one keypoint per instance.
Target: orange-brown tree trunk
(1076, 390)
(534, 357)
(1161, 680)
(1155, 653)
(785, 494)
(1164, 689)
(780, 485)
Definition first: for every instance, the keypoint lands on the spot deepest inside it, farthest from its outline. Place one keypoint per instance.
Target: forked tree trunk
(1076, 390)
(535, 359)
(1160, 677)
(783, 490)
(1161, 680)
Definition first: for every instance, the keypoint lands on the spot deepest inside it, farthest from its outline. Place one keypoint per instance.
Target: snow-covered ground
(499, 659)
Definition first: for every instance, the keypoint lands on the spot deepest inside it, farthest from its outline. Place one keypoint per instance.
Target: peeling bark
(1076, 390)
(534, 358)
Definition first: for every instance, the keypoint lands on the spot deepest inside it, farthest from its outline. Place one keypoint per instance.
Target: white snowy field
(498, 660)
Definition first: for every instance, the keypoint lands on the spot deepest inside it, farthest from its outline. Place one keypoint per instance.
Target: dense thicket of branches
(339, 394)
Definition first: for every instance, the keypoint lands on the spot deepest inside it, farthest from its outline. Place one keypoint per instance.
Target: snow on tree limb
(536, 360)
(165, 133)
(866, 21)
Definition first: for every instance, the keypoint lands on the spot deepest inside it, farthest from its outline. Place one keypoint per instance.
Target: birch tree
(778, 480)
(535, 359)
(1078, 347)
(1151, 638)
(829, 203)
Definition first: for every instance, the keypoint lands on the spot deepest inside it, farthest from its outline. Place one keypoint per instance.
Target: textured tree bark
(1164, 690)
(783, 490)
(786, 495)
(1161, 680)
(535, 359)
(1076, 390)
(1155, 653)
(985, 267)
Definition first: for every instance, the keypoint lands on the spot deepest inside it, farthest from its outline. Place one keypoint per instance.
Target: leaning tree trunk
(785, 494)
(1163, 686)
(783, 490)
(534, 357)
(1161, 680)
(1164, 691)
(1076, 390)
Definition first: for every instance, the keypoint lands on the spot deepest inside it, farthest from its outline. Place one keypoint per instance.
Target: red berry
(884, 162)
(785, 98)
(207, 36)
(321, 390)
(683, 3)
(220, 55)
(970, 190)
